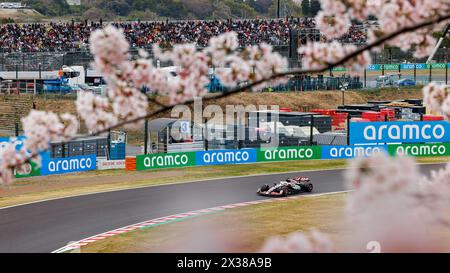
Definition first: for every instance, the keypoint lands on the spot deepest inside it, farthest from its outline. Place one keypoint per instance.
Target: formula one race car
(288, 187)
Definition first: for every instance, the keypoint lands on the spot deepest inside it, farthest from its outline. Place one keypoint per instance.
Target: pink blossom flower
(220, 47)
(109, 47)
(436, 96)
(8, 160)
(378, 176)
(95, 111)
(333, 26)
(333, 7)
(315, 242)
(319, 55)
(397, 14)
(389, 198)
(42, 127)
(254, 63)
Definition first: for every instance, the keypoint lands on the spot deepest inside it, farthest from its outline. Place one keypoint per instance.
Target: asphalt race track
(47, 226)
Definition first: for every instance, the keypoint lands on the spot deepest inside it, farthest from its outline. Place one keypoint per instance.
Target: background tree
(260, 6)
(222, 11)
(314, 8)
(118, 7)
(145, 15)
(306, 7)
(240, 9)
(95, 14)
(200, 8)
(175, 9)
(287, 8)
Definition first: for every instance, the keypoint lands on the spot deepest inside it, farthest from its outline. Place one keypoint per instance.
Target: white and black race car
(288, 187)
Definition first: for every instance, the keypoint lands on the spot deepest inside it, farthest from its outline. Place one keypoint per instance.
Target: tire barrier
(130, 163)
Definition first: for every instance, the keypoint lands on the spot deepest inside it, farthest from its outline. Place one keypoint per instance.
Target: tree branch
(163, 108)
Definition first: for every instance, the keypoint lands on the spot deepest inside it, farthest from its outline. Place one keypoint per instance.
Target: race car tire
(265, 188)
(285, 190)
(309, 187)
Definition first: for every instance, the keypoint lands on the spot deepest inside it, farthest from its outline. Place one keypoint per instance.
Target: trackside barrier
(290, 153)
(347, 152)
(51, 166)
(110, 164)
(130, 163)
(163, 161)
(420, 150)
(248, 156)
(396, 67)
(399, 132)
(223, 157)
(29, 169)
(68, 164)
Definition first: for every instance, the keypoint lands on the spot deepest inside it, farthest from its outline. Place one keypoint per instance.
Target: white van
(75, 74)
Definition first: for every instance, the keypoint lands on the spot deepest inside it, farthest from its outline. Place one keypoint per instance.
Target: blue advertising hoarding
(18, 142)
(399, 132)
(374, 67)
(68, 165)
(345, 152)
(421, 66)
(28, 169)
(220, 157)
(406, 66)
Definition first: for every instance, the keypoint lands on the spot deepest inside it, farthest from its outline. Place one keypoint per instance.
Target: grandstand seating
(62, 37)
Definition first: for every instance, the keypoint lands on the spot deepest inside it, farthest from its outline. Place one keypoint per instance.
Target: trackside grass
(57, 186)
(235, 230)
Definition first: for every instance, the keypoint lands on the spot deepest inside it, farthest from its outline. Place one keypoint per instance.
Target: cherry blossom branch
(359, 51)
(386, 201)
(164, 108)
(155, 101)
(380, 41)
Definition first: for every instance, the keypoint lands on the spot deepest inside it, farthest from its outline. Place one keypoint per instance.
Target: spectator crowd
(71, 36)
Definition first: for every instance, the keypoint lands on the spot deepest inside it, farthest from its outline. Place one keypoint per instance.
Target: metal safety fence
(50, 61)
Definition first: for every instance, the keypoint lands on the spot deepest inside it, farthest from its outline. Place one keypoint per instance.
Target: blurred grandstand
(71, 36)
(43, 49)
(50, 46)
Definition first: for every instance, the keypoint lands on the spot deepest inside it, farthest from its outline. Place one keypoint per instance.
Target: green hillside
(172, 9)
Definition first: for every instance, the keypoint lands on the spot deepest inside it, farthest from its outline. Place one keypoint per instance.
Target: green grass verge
(236, 230)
